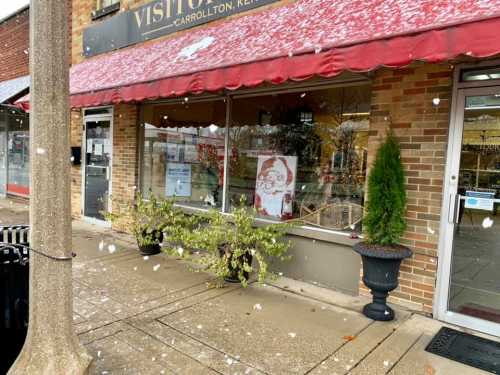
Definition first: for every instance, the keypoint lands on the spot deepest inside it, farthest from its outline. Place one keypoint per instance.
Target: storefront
(285, 104)
(14, 152)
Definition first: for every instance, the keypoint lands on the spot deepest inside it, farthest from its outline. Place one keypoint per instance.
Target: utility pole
(51, 347)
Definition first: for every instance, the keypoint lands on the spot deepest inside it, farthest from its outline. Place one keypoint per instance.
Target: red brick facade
(403, 100)
(14, 46)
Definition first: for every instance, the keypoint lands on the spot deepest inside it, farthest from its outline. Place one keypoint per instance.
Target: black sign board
(159, 18)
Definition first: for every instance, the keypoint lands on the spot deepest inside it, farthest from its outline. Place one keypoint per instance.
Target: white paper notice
(178, 180)
(107, 148)
(98, 149)
(484, 204)
(90, 143)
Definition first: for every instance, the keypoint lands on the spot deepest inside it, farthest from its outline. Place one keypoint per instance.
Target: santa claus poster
(275, 185)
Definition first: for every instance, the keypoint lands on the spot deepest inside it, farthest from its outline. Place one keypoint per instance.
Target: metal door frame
(448, 211)
(94, 118)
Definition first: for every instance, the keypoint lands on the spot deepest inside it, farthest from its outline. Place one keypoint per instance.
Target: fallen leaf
(429, 370)
(349, 338)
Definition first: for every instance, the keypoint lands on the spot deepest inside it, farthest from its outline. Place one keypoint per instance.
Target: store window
(102, 4)
(489, 74)
(18, 153)
(302, 155)
(183, 152)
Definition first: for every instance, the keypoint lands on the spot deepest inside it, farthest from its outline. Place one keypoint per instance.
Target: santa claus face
(274, 178)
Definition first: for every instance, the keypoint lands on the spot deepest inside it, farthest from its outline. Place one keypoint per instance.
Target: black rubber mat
(468, 349)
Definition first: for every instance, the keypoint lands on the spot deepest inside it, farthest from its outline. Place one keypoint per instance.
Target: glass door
(472, 228)
(97, 168)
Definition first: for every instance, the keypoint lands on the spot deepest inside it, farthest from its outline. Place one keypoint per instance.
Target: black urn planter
(380, 274)
(233, 272)
(153, 248)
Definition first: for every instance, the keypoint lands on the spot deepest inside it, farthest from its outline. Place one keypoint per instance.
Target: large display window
(297, 155)
(302, 155)
(183, 152)
(14, 152)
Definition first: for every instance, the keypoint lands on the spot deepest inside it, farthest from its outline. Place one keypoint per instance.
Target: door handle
(454, 208)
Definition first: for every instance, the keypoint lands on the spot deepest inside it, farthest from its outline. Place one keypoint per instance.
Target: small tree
(385, 222)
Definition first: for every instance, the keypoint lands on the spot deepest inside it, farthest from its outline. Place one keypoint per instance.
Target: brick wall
(14, 46)
(125, 167)
(403, 99)
(76, 133)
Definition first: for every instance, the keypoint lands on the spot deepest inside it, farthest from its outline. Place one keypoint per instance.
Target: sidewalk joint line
(212, 347)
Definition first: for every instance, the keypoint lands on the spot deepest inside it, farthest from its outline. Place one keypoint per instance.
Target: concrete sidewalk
(155, 315)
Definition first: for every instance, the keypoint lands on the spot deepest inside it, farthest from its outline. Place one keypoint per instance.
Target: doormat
(481, 312)
(468, 349)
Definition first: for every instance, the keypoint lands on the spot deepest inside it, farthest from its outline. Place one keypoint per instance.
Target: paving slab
(354, 351)
(211, 357)
(419, 362)
(385, 356)
(273, 331)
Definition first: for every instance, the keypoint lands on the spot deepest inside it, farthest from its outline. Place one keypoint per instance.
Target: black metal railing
(14, 291)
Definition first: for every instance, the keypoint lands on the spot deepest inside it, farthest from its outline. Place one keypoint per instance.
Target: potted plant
(148, 219)
(383, 225)
(234, 246)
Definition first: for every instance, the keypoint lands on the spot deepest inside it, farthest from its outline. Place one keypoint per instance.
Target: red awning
(297, 41)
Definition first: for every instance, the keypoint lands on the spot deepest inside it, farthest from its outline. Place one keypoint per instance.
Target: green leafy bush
(224, 242)
(385, 222)
(148, 217)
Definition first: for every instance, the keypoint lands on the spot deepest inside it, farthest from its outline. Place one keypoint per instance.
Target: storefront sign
(159, 18)
(178, 182)
(275, 185)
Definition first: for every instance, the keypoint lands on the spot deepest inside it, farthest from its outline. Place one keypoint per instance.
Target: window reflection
(302, 155)
(184, 152)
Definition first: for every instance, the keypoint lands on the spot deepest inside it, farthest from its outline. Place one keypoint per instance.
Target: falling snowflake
(257, 307)
(292, 335)
(111, 249)
(101, 245)
(180, 250)
(487, 223)
(146, 257)
(156, 267)
(386, 363)
(199, 326)
(40, 151)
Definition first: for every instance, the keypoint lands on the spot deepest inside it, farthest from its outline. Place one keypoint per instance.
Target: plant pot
(153, 248)
(380, 274)
(233, 272)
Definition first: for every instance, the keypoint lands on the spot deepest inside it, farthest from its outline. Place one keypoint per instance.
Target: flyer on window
(275, 185)
(178, 180)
